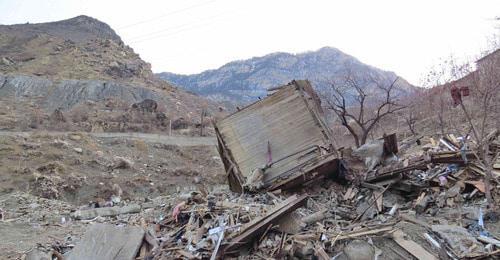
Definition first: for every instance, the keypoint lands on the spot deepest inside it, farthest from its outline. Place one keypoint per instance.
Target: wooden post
(170, 127)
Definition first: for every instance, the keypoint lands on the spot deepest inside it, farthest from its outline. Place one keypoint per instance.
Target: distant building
(488, 60)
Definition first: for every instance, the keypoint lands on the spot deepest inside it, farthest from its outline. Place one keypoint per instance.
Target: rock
(60, 143)
(372, 153)
(67, 93)
(122, 163)
(78, 150)
(75, 137)
(359, 250)
(28, 145)
(464, 245)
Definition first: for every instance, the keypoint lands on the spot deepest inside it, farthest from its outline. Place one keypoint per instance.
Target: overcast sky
(189, 36)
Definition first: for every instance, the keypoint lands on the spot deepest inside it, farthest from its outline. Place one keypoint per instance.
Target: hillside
(77, 48)
(69, 63)
(245, 80)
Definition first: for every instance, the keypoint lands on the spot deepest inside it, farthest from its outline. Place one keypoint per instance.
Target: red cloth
(456, 96)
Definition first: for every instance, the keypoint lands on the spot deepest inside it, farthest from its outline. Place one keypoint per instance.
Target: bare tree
(358, 107)
(486, 86)
(480, 108)
(411, 117)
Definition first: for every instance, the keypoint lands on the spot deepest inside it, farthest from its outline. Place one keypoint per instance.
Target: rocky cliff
(66, 94)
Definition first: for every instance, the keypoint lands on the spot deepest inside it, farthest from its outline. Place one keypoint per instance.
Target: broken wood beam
(451, 157)
(259, 225)
(320, 253)
(411, 246)
(363, 232)
(395, 175)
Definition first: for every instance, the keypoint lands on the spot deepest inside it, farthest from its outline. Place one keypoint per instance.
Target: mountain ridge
(246, 80)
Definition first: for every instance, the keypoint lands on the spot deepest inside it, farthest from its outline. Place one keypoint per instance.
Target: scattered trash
(294, 196)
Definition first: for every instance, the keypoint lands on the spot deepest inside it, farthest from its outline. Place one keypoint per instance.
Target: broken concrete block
(460, 240)
(359, 250)
(105, 241)
(105, 212)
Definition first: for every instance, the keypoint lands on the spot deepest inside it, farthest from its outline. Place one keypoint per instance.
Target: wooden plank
(258, 226)
(489, 240)
(320, 253)
(411, 246)
(107, 242)
(378, 197)
(364, 232)
(319, 167)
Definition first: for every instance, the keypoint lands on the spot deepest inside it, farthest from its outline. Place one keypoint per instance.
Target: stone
(122, 163)
(462, 243)
(75, 137)
(359, 250)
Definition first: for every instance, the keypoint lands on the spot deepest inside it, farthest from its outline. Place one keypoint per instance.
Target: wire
(135, 38)
(177, 32)
(167, 14)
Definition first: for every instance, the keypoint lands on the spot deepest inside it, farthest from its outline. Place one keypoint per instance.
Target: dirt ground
(44, 177)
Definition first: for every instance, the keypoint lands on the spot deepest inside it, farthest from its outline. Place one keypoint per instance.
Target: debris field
(297, 196)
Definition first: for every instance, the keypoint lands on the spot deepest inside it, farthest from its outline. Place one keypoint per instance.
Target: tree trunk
(364, 137)
(441, 124)
(488, 175)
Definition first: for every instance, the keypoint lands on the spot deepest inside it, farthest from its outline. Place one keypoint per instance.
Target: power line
(194, 26)
(167, 14)
(173, 33)
(138, 38)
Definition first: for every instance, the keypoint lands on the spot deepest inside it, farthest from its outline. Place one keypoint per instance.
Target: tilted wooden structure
(284, 135)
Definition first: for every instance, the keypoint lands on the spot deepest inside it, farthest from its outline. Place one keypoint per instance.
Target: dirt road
(154, 138)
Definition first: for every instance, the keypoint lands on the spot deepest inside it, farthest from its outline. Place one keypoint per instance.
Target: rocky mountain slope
(77, 48)
(71, 62)
(243, 81)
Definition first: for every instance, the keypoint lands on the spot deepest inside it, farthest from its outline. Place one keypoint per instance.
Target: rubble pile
(427, 203)
(296, 196)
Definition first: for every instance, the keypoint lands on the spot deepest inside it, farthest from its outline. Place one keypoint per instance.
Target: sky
(190, 36)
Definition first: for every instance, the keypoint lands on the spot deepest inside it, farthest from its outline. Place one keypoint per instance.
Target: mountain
(77, 48)
(71, 62)
(245, 80)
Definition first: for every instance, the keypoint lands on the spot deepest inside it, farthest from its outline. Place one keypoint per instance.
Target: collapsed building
(279, 142)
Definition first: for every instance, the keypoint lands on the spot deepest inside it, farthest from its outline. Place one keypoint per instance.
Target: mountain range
(244, 81)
